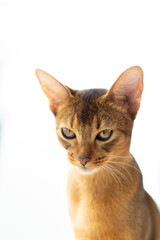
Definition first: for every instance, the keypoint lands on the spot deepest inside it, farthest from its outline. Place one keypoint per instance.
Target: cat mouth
(85, 171)
(84, 167)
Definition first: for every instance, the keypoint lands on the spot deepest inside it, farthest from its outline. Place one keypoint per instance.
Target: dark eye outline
(65, 136)
(104, 139)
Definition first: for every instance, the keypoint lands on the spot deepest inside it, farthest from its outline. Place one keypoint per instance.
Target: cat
(107, 200)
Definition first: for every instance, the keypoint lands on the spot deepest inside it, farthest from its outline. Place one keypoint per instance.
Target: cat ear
(127, 90)
(56, 92)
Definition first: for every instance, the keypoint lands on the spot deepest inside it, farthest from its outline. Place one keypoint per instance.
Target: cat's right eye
(68, 134)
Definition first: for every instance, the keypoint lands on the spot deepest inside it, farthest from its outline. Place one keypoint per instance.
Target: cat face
(91, 130)
(94, 125)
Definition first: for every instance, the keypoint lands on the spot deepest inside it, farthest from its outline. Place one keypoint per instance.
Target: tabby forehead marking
(88, 104)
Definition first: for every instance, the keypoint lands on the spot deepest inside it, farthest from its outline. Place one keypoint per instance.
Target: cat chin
(85, 171)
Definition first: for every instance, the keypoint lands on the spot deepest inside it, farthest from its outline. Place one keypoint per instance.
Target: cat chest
(93, 214)
(92, 218)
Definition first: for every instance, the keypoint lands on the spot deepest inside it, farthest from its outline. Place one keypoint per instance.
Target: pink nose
(83, 161)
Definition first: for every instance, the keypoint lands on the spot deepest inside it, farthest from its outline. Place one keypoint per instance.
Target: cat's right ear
(55, 91)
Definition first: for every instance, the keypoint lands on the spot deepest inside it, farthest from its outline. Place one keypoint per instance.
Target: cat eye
(104, 135)
(68, 134)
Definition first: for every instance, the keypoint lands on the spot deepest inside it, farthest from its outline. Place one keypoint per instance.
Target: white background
(84, 44)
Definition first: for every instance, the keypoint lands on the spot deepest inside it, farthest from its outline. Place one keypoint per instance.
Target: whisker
(117, 156)
(127, 164)
(114, 176)
(102, 159)
(117, 163)
(122, 175)
(111, 173)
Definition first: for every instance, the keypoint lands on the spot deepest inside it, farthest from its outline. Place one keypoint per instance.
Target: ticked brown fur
(107, 200)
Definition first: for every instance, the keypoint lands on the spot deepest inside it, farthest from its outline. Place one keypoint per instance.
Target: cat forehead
(83, 106)
(89, 95)
(88, 104)
(86, 108)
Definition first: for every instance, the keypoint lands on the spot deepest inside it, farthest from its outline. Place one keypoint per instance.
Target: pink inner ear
(129, 86)
(54, 90)
(133, 84)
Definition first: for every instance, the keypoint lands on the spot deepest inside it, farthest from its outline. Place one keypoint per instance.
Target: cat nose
(83, 160)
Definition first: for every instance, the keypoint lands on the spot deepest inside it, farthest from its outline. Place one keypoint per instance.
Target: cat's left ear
(126, 92)
(55, 91)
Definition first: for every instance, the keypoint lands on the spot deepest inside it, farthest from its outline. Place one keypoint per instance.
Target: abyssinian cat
(106, 194)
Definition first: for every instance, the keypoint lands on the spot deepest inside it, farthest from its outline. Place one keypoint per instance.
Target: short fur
(107, 200)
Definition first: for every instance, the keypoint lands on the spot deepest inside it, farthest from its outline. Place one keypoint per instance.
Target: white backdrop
(84, 44)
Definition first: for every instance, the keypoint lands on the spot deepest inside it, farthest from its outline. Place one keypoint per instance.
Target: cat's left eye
(68, 134)
(104, 135)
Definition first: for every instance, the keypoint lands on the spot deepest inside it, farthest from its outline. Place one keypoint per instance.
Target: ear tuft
(127, 90)
(56, 92)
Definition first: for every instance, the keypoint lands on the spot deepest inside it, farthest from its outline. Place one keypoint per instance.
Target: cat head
(95, 124)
